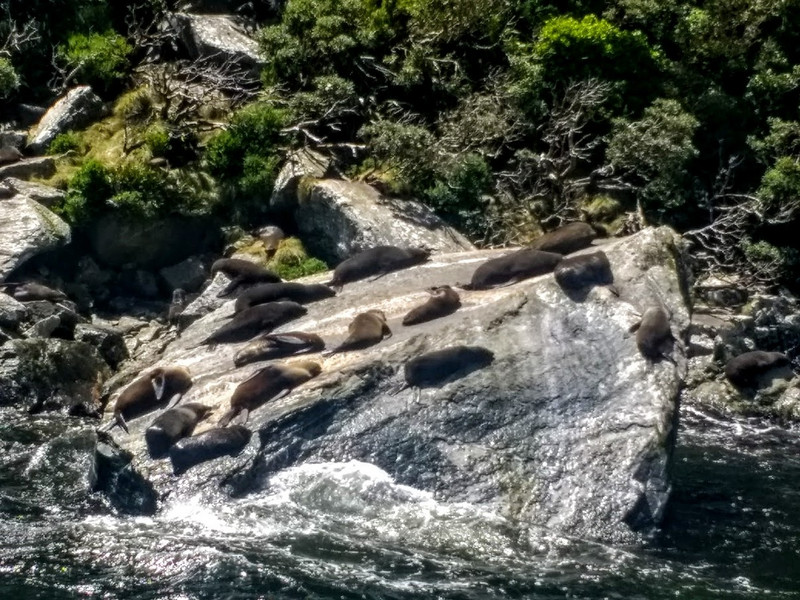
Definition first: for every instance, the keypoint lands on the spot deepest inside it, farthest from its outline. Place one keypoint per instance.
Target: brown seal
(366, 329)
(162, 385)
(512, 268)
(435, 368)
(211, 444)
(261, 318)
(653, 333)
(241, 272)
(377, 261)
(173, 425)
(576, 275)
(29, 292)
(443, 301)
(176, 306)
(288, 290)
(745, 369)
(566, 239)
(271, 382)
(278, 345)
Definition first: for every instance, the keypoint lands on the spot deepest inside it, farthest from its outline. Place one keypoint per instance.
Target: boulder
(78, 108)
(187, 275)
(218, 37)
(27, 168)
(570, 428)
(339, 218)
(12, 312)
(26, 229)
(111, 473)
(13, 139)
(303, 163)
(108, 341)
(43, 194)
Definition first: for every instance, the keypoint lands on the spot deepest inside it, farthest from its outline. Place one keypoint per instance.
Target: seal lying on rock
(576, 275)
(288, 290)
(443, 301)
(512, 268)
(161, 385)
(271, 382)
(29, 292)
(566, 239)
(379, 261)
(241, 272)
(745, 369)
(434, 368)
(261, 318)
(653, 333)
(211, 444)
(366, 329)
(173, 425)
(278, 345)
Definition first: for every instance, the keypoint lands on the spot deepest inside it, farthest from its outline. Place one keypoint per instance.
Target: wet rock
(569, 428)
(188, 275)
(13, 139)
(27, 168)
(78, 108)
(12, 312)
(44, 328)
(303, 163)
(218, 37)
(339, 218)
(9, 155)
(27, 229)
(43, 194)
(109, 342)
(113, 474)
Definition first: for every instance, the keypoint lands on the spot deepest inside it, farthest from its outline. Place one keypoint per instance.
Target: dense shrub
(99, 60)
(65, 142)
(292, 261)
(459, 191)
(9, 80)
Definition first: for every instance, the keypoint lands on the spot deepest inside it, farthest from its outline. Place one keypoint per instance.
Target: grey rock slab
(303, 163)
(108, 341)
(338, 218)
(218, 37)
(43, 194)
(187, 275)
(570, 429)
(12, 312)
(76, 109)
(39, 166)
(26, 229)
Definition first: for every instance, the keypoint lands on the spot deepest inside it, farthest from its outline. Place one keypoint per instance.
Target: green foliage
(292, 261)
(156, 138)
(408, 150)
(768, 263)
(65, 142)
(657, 150)
(87, 192)
(458, 193)
(779, 192)
(783, 139)
(9, 80)
(100, 60)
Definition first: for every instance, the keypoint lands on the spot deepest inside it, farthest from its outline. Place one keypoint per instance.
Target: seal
(241, 272)
(270, 383)
(211, 444)
(653, 333)
(278, 345)
(512, 268)
(172, 425)
(744, 370)
(261, 318)
(30, 292)
(159, 386)
(435, 368)
(366, 329)
(443, 301)
(377, 261)
(176, 306)
(576, 275)
(287, 290)
(566, 239)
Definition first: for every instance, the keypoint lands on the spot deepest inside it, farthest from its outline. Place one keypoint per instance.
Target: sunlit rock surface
(76, 109)
(570, 428)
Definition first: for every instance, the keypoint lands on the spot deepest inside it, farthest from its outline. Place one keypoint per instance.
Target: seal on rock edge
(287, 290)
(271, 382)
(172, 425)
(653, 333)
(512, 268)
(566, 239)
(443, 301)
(278, 345)
(211, 444)
(241, 272)
(745, 369)
(261, 318)
(576, 275)
(434, 368)
(366, 329)
(378, 261)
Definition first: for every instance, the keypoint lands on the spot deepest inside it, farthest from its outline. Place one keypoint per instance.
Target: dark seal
(512, 268)
(435, 368)
(288, 290)
(577, 275)
(241, 272)
(270, 383)
(252, 321)
(30, 292)
(211, 444)
(653, 334)
(443, 301)
(377, 261)
(163, 385)
(172, 425)
(366, 329)
(566, 239)
(278, 345)
(745, 370)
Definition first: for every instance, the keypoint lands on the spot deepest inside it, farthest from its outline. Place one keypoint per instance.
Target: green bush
(101, 60)
(65, 142)
(292, 261)
(156, 138)
(457, 195)
(408, 150)
(9, 80)
(779, 192)
(87, 193)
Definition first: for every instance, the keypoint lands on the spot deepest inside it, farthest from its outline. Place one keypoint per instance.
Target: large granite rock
(570, 428)
(303, 163)
(43, 194)
(78, 108)
(218, 37)
(339, 218)
(27, 168)
(26, 229)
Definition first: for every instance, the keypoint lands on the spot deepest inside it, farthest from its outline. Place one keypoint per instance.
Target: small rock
(112, 473)
(44, 328)
(12, 312)
(129, 324)
(43, 194)
(188, 275)
(303, 163)
(107, 340)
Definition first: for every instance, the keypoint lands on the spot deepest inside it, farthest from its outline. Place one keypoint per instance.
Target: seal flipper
(173, 401)
(228, 289)
(120, 420)
(241, 418)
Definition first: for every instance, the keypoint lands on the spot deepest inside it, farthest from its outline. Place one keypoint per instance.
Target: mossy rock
(291, 260)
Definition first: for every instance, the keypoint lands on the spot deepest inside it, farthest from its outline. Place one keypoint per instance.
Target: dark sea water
(347, 530)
